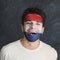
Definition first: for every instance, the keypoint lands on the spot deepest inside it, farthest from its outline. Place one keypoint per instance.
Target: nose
(33, 26)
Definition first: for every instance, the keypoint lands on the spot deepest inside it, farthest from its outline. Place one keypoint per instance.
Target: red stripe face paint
(34, 17)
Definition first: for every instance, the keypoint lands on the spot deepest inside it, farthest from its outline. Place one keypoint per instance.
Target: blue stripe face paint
(32, 38)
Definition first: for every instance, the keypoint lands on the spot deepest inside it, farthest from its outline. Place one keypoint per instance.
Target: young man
(30, 47)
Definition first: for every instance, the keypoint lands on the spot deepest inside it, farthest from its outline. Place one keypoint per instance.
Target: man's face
(33, 24)
(33, 27)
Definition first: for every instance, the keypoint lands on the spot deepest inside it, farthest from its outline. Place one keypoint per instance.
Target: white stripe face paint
(33, 27)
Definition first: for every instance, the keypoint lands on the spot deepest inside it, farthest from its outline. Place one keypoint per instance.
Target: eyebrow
(31, 21)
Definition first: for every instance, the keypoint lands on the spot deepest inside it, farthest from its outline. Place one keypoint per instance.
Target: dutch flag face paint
(33, 27)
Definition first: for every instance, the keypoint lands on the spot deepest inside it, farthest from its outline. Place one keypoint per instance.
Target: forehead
(34, 17)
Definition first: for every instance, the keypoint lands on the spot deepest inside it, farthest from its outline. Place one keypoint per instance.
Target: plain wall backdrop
(10, 20)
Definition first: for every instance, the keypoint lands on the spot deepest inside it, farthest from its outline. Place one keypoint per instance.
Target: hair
(34, 10)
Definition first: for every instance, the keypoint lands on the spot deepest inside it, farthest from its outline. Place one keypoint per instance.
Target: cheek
(27, 28)
(39, 29)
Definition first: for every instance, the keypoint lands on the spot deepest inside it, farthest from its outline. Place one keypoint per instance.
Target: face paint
(33, 27)
(34, 17)
(32, 38)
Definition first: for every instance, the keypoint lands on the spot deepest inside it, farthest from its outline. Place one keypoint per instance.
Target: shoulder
(9, 47)
(50, 50)
(7, 50)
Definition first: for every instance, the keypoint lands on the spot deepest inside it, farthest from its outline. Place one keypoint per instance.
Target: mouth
(33, 34)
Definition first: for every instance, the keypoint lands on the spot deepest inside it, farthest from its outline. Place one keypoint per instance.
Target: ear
(42, 30)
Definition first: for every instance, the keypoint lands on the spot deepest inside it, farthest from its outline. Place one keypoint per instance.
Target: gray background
(10, 20)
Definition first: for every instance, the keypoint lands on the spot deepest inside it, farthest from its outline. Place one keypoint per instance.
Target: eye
(38, 24)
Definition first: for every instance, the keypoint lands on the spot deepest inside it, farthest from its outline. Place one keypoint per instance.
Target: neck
(30, 45)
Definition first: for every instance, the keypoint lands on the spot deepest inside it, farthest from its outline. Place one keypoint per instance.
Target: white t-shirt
(15, 51)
